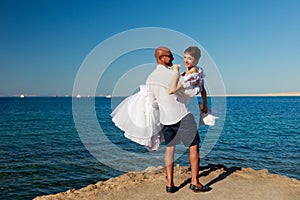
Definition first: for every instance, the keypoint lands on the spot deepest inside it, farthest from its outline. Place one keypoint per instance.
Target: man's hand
(203, 107)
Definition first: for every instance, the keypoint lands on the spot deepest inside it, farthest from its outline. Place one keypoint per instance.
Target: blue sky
(255, 44)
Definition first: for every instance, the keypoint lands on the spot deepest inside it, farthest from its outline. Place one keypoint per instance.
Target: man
(178, 123)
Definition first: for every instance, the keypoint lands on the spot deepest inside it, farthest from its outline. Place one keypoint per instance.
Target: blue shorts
(184, 131)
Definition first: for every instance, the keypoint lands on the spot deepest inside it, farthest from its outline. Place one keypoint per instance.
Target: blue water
(41, 151)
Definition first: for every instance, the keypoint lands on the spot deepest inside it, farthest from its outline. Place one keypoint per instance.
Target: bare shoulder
(194, 70)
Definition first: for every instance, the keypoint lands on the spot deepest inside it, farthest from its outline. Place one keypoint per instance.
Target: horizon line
(209, 95)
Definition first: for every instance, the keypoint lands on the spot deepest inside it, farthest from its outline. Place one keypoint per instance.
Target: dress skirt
(138, 117)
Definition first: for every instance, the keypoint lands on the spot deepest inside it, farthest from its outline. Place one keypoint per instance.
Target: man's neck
(164, 65)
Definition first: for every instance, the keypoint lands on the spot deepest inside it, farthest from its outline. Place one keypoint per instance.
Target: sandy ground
(227, 183)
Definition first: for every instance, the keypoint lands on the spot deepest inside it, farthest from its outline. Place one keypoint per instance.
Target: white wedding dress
(138, 117)
(138, 114)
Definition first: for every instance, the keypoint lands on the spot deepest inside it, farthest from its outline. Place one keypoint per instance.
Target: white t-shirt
(172, 108)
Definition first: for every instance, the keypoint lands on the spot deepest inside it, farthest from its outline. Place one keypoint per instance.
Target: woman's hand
(176, 68)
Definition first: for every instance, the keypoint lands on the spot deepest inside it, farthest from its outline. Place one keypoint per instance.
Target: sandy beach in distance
(227, 183)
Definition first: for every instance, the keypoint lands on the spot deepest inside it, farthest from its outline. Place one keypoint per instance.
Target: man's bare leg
(195, 161)
(169, 163)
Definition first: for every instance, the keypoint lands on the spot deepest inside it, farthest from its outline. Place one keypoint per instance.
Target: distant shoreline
(283, 94)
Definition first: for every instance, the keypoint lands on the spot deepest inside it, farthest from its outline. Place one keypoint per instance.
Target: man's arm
(204, 99)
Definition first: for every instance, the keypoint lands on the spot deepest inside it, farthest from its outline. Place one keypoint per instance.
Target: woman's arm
(175, 84)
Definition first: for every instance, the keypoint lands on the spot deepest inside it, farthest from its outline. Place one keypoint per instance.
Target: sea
(43, 152)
